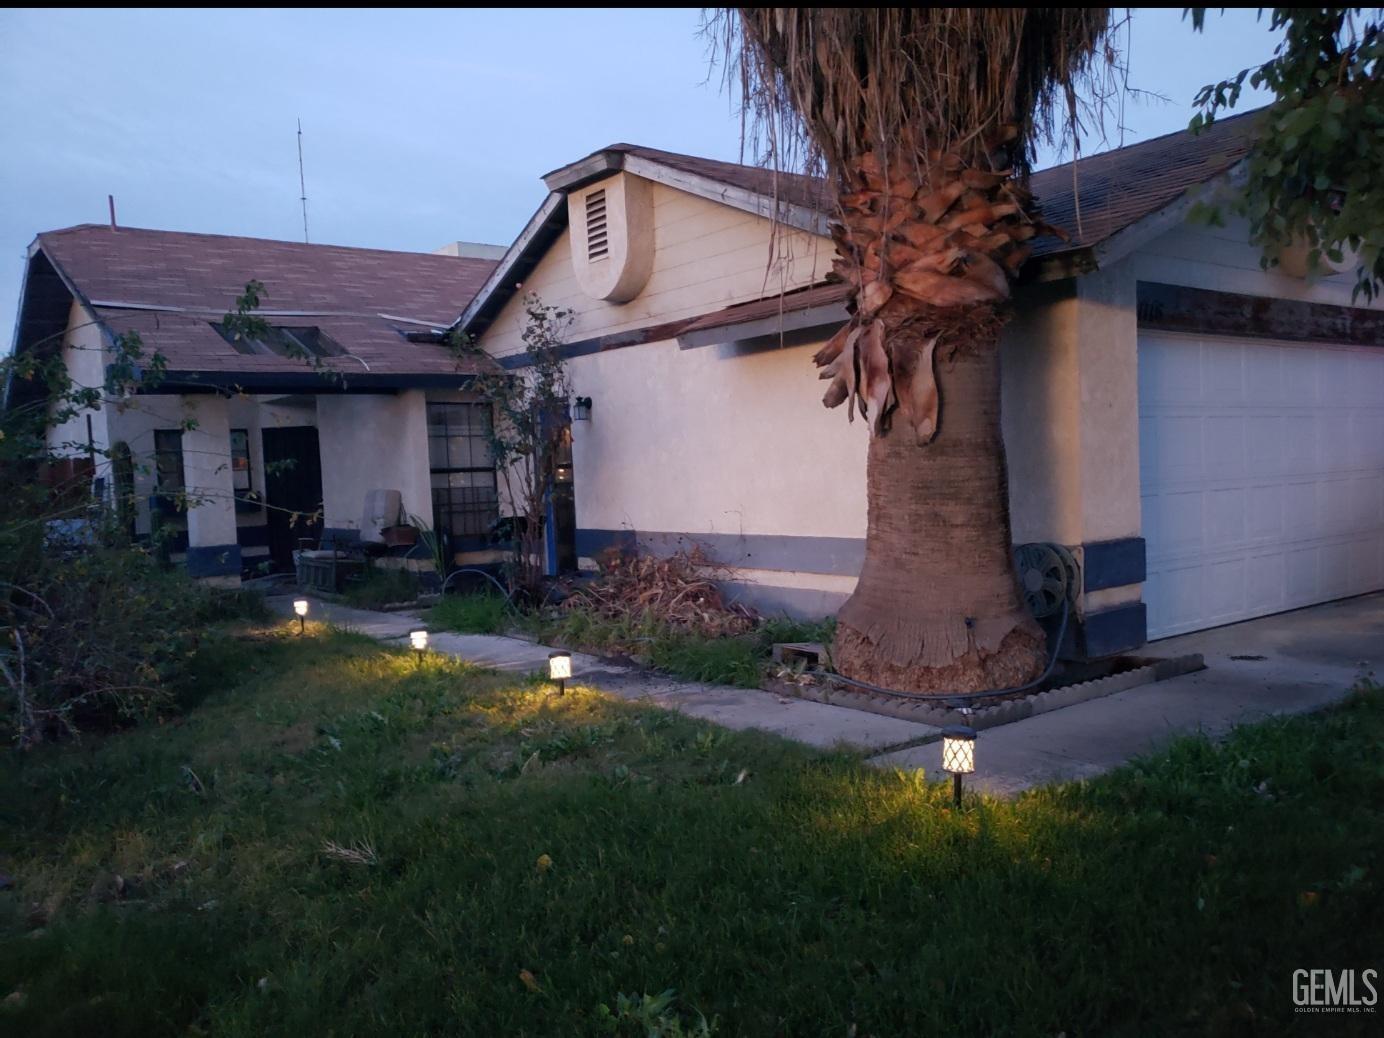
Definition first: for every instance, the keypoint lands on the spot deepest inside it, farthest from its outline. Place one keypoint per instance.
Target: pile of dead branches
(679, 591)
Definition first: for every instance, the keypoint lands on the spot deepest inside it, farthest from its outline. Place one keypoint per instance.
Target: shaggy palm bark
(937, 606)
(925, 119)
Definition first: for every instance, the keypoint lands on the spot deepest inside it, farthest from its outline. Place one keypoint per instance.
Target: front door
(292, 490)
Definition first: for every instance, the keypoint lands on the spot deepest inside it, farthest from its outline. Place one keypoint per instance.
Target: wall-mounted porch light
(958, 755)
(300, 609)
(419, 641)
(581, 409)
(560, 669)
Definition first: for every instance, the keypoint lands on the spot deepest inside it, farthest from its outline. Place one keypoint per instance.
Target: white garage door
(1262, 474)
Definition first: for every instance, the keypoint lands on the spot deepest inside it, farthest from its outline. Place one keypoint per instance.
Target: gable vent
(597, 242)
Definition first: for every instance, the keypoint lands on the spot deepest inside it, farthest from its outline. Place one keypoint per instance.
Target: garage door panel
(1265, 520)
(1262, 472)
(1225, 518)
(1223, 446)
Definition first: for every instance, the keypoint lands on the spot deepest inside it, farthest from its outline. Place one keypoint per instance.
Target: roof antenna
(302, 184)
(110, 199)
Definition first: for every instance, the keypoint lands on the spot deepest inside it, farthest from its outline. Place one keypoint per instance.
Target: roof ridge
(627, 148)
(258, 240)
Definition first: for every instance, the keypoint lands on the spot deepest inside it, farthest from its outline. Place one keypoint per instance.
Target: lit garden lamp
(300, 608)
(560, 669)
(419, 641)
(958, 755)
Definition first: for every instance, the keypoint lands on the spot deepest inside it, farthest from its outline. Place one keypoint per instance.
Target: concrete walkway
(1286, 664)
(816, 724)
(1291, 663)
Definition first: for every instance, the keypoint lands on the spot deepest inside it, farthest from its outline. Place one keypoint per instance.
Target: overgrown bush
(99, 638)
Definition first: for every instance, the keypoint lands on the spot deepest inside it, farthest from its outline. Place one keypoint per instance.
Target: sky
(419, 127)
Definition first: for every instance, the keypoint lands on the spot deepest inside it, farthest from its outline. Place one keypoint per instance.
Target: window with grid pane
(168, 460)
(465, 501)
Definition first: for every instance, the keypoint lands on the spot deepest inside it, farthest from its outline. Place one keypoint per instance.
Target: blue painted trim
(833, 556)
(1109, 632)
(1114, 563)
(796, 602)
(214, 560)
(591, 543)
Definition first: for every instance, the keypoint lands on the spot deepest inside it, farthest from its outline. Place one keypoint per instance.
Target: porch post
(213, 554)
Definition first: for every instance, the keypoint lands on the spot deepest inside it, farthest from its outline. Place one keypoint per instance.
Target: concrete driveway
(1285, 664)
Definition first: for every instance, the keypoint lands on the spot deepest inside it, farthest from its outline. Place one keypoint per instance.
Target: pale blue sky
(420, 127)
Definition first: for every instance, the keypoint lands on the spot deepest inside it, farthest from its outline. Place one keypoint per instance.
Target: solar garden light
(419, 640)
(560, 669)
(300, 607)
(958, 755)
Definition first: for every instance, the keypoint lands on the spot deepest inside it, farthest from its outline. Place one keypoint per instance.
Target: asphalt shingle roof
(1113, 189)
(170, 285)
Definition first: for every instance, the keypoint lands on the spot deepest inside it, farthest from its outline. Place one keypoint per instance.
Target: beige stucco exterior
(730, 444)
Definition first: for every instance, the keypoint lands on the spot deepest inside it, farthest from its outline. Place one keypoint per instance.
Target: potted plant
(399, 536)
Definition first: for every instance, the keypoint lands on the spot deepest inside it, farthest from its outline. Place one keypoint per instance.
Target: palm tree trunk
(937, 606)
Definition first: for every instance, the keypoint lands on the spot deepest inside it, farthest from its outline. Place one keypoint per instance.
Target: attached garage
(1262, 476)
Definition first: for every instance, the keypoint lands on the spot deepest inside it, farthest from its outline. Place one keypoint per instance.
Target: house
(1205, 436)
(247, 447)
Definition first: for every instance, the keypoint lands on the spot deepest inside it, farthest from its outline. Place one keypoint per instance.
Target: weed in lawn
(475, 613)
(380, 587)
(531, 857)
(726, 660)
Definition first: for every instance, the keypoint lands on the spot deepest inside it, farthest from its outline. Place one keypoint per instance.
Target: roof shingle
(169, 286)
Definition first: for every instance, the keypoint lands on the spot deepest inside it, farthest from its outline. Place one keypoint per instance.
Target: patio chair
(343, 554)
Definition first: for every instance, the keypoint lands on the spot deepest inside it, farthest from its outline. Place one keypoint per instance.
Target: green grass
(336, 840)
(732, 660)
(476, 613)
(380, 587)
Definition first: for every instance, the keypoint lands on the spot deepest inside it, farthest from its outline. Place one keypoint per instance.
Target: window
(465, 501)
(242, 486)
(168, 471)
(168, 460)
(300, 343)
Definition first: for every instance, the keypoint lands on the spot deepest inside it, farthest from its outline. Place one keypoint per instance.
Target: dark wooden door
(292, 489)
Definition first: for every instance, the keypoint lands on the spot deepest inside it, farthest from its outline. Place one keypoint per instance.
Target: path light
(300, 608)
(419, 641)
(560, 669)
(958, 755)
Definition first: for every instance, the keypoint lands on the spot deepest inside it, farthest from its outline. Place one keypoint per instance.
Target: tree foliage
(530, 429)
(1313, 178)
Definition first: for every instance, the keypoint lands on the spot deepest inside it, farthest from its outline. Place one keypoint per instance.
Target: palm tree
(925, 119)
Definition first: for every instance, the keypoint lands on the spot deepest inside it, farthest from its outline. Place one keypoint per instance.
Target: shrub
(98, 639)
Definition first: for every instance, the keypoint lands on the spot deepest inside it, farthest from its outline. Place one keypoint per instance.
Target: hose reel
(1048, 577)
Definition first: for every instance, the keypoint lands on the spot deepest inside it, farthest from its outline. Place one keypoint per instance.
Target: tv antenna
(302, 183)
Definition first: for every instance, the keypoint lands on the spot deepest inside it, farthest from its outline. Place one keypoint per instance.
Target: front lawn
(335, 840)
(726, 659)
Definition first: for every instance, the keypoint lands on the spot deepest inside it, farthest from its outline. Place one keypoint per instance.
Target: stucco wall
(707, 256)
(134, 420)
(84, 356)
(373, 442)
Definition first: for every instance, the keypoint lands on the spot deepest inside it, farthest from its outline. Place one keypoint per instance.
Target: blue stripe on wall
(833, 556)
(214, 560)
